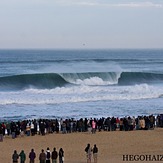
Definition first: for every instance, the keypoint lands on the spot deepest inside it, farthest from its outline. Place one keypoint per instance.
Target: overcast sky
(81, 24)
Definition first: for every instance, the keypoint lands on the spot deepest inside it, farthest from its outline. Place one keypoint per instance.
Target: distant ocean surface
(80, 83)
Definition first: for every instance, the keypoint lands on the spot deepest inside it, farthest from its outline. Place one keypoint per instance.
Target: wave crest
(53, 80)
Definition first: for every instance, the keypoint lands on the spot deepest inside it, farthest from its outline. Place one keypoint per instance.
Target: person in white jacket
(48, 155)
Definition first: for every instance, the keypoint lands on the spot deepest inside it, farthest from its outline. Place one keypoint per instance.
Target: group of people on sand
(44, 157)
(46, 126)
(52, 157)
(89, 151)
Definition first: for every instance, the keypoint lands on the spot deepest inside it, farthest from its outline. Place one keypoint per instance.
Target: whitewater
(80, 83)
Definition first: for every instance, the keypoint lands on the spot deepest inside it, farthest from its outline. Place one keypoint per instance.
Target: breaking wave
(53, 80)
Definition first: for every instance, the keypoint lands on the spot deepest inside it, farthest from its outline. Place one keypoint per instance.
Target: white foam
(81, 93)
(93, 81)
(103, 78)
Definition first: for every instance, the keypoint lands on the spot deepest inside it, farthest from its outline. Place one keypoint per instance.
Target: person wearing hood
(48, 155)
(22, 156)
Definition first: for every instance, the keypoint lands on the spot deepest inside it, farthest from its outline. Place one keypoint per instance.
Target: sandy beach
(112, 145)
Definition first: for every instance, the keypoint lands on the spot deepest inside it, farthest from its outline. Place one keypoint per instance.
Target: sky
(81, 24)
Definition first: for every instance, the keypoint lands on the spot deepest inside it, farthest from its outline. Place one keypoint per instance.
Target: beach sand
(112, 145)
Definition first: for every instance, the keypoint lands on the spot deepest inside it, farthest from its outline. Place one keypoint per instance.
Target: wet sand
(112, 145)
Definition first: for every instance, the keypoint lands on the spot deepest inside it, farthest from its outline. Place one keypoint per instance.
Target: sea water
(80, 83)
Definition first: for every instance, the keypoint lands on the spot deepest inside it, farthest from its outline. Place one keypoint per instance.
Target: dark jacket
(42, 156)
(15, 157)
(32, 155)
(95, 150)
(22, 156)
(54, 155)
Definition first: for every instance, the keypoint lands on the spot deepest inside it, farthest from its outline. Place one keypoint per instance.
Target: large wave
(45, 80)
(53, 80)
(130, 78)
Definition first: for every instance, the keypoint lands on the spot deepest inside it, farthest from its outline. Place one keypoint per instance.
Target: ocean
(80, 83)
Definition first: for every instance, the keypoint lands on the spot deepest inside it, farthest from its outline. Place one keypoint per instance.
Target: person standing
(61, 155)
(32, 129)
(54, 156)
(48, 154)
(8, 127)
(93, 127)
(95, 151)
(42, 156)
(15, 157)
(22, 156)
(1, 133)
(88, 151)
(32, 156)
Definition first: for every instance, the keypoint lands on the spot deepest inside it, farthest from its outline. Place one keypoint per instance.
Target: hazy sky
(81, 24)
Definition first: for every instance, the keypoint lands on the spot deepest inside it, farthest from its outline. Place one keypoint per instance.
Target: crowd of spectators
(47, 126)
